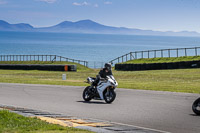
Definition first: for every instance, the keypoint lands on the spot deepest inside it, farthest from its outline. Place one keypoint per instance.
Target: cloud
(48, 1)
(81, 4)
(85, 4)
(96, 5)
(2, 2)
(107, 3)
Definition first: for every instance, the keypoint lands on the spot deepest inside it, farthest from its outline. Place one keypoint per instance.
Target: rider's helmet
(108, 66)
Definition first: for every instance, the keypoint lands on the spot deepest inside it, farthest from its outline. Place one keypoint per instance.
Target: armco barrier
(157, 66)
(39, 67)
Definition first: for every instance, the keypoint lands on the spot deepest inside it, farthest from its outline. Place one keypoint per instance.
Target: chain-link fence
(96, 64)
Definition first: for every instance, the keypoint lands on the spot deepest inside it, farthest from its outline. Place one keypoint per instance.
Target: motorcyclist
(107, 70)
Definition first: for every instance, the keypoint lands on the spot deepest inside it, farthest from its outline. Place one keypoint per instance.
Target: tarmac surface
(152, 111)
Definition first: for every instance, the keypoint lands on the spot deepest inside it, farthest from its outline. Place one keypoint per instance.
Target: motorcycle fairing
(101, 87)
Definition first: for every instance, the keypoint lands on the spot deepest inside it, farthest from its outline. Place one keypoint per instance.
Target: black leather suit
(102, 74)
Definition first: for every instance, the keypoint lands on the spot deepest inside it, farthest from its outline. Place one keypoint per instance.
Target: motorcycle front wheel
(109, 95)
(196, 106)
(86, 94)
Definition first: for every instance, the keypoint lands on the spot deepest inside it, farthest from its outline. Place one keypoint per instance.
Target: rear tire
(109, 96)
(196, 106)
(86, 94)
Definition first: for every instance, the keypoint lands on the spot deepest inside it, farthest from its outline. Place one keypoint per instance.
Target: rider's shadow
(92, 102)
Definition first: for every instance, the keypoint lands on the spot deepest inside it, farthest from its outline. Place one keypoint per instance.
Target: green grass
(45, 77)
(14, 123)
(180, 80)
(177, 80)
(162, 60)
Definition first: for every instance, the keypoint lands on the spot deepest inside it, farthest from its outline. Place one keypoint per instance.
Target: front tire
(109, 95)
(196, 106)
(86, 94)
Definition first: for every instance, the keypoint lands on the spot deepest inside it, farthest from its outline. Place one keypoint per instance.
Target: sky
(157, 15)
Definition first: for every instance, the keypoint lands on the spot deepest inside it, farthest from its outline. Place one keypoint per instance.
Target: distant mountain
(5, 26)
(89, 26)
(83, 26)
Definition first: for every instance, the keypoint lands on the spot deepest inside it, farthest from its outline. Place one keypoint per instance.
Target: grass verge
(163, 60)
(14, 123)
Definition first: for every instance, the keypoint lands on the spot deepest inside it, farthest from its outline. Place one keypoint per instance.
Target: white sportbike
(105, 89)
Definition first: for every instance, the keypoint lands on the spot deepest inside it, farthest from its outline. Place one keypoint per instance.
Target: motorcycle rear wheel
(109, 95)
(86, 94)
(196, 106)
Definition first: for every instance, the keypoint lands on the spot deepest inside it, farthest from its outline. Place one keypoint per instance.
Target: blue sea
(88, 47)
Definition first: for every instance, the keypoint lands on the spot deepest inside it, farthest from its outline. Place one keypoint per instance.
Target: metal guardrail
(52, 58)
(176, 52)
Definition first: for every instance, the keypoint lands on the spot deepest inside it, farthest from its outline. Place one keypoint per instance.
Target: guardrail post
(196, 51)
(185, 52)
(154, 53)
(169, 52)
(177, 52)
(130, 55)
(142, 54)
(135, 55)
(162, 53)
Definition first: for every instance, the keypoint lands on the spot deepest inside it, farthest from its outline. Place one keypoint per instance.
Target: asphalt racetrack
(165, 111)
